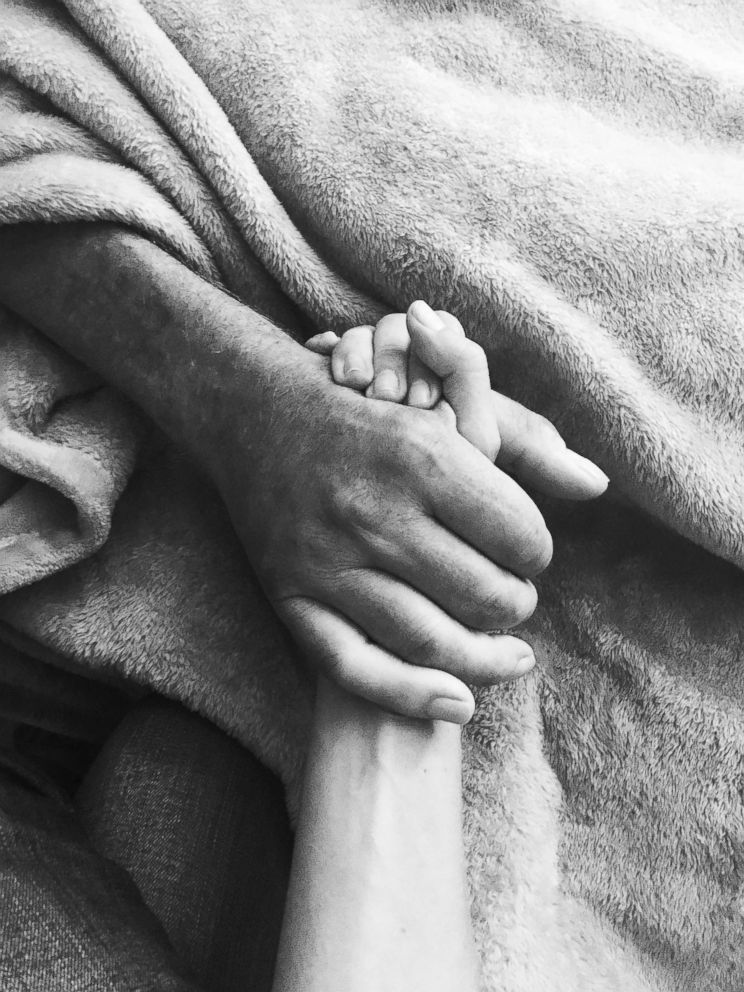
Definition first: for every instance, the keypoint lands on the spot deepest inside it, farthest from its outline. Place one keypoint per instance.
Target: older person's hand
(422, 355)
(387, 543)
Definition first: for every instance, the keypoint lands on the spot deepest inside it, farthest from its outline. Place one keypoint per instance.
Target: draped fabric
(566, 177)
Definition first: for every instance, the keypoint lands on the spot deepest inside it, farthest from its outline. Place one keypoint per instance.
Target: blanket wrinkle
(196, 118)
(565, 175)
(72, 442)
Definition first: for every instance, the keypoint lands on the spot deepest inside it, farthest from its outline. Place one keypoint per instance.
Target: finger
(401, 620)
(470, 588)
(345, 655)
(424, 386)
(429, 395)
(439, 341)
(482, 505)
(391, 346)
(533, 450)
(322, 344)
(351, 364)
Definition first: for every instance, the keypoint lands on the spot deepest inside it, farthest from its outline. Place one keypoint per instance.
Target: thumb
(438, 340)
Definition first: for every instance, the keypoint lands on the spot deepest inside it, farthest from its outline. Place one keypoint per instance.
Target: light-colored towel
(566, 176)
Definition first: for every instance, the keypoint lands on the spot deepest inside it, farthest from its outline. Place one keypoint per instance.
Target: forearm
(147, 324)
(378, 898)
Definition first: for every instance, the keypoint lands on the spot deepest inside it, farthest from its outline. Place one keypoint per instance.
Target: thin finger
(439, 341)
(473, 590)
(533, 450)
(351, 364)
(345, 655)
(391, 346)
(406, 623)
(430, 393)
(322, 344)
(424, 386)
(489, 511)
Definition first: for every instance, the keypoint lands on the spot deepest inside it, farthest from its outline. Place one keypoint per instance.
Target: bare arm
(378, 899)
(388, 574)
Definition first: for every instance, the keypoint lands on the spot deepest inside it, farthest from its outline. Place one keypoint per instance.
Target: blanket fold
(564, 175)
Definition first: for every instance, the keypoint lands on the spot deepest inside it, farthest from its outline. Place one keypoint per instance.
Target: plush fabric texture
(566, 176)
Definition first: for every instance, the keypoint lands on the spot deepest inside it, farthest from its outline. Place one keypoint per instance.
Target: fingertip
(388, 385)
(322, 344)
(511, 659)
(412, 692)
(451, 323)
(349, 369)
(524, 663)
(457, 710)
(355, 374)
(424, 395)
(590, 475)
(421, 317)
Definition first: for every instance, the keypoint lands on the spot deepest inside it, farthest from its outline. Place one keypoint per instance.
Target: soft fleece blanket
(565, 175)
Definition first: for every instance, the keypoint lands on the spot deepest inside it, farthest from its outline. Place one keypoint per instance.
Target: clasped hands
(392, 547)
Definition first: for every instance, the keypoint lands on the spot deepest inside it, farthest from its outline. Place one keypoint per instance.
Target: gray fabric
(565, 175)
(166, 873)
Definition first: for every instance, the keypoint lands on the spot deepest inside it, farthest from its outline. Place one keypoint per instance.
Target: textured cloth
(167, 871)
(564, 175)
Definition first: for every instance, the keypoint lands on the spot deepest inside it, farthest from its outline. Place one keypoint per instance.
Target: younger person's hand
(423, 357)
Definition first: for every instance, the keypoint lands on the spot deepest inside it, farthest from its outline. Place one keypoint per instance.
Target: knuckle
(412, 435)
(520, 606)
(424, 645)
(534, 547)
(427, 447)
(352, 507)
(503, 608)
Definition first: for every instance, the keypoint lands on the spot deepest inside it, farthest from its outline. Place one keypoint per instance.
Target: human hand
(423, 355)
(387, 543)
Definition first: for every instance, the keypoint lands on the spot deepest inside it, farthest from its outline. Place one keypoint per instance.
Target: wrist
(228, 412)
(198, 362)
(363, 735)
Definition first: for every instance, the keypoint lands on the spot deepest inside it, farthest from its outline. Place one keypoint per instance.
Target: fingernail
(451, 710)
(424, 315)
(588, 469)
(525, 663)
(419, 395)
(387, 384)
(355, 374)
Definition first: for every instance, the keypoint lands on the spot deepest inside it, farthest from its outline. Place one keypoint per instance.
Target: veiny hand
(387, 543)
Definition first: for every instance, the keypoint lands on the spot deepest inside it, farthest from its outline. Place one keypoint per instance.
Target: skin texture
(384, 538)
(378, 898)
(387, 544)
(430, 358)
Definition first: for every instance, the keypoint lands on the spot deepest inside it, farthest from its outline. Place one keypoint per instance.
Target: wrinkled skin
(380, 522)
(386, 542)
